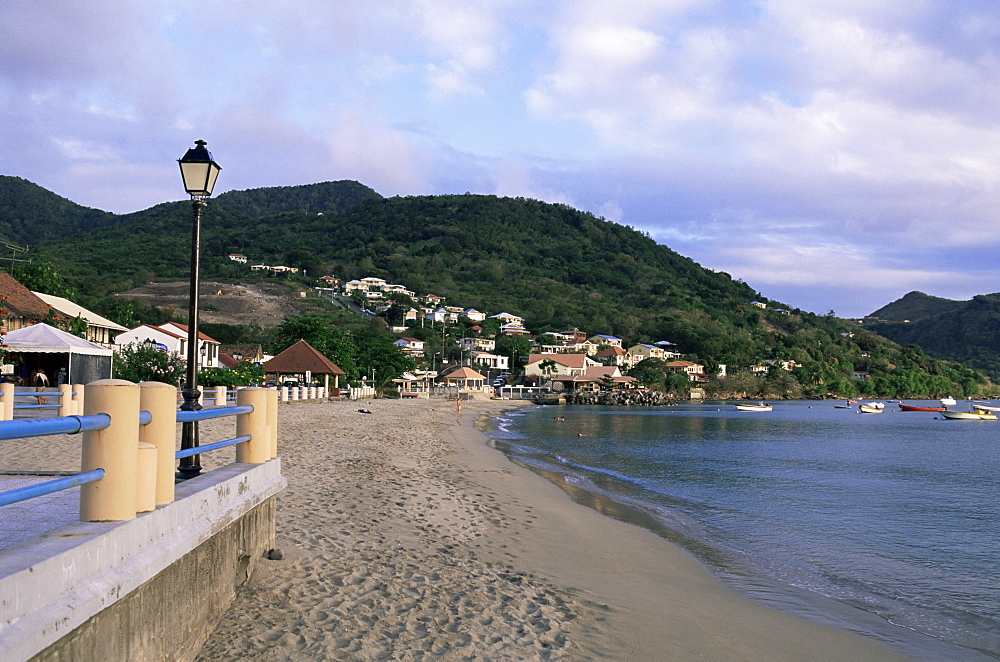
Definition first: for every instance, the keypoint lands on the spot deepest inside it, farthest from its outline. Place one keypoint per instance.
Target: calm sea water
(883, 524)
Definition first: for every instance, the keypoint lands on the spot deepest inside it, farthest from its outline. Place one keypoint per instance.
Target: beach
(406, 537)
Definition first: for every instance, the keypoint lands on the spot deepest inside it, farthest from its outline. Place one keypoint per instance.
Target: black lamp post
(199, 173)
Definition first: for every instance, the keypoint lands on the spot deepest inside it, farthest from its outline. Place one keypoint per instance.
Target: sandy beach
(405, 537)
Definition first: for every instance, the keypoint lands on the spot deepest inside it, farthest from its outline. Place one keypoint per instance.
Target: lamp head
(199, 171)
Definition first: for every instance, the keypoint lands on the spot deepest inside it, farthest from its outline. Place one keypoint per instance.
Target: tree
(515, 349)
(245, 374)
(41, 276)
(380, 358)
(332, 343)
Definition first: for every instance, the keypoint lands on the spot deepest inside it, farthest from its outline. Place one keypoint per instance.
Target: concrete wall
(152, 588)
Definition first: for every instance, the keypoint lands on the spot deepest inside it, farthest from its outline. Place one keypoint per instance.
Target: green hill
(917, 306)
(29, 214)
(556, 266)
(964, 331)
(313, 198)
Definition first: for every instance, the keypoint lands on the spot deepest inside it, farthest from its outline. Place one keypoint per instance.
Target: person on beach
(41, 380)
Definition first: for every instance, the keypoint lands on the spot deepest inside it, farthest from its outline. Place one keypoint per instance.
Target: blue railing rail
(49, 487)
(142, 466)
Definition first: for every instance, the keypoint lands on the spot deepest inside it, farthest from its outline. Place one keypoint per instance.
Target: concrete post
(65, 400)
(79, 393)
(114, 449)
(160, 400)
(294, 393)
(272, 422)
(220, 396)
(284, 394)
(145, 494)
(254, 424)
(6, 401)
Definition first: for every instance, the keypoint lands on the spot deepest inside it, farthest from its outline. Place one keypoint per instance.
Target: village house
(565, 365)
(329, 281)
(432, 300)
(642, 352)
(238, 257)
(514, 329)
(100, 330)
(615, 356)
(249, 353)
(147, 335)
(593, 378)
(477, 344)
(411, 346)
(20, 306)
(603, 340)
(694, 371)
(507, 318)
(208, 347)
(491, 361)
(474, 315)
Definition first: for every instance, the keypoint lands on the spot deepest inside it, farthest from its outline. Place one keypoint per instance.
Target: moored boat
(967, 416)
(757, 407)
(869, 409)
(949, 401)
(903, 407)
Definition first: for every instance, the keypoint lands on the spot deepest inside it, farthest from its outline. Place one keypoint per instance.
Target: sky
(834, 155)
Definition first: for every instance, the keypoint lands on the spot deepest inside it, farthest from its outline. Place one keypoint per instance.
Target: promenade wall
(149, 588)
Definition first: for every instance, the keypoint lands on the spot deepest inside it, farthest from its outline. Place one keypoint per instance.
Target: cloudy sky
(835, 155)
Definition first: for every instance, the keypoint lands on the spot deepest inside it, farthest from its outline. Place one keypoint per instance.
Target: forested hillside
(556, 266)
(916, 306)
(314, 198)
(964, 331)
(29, 214)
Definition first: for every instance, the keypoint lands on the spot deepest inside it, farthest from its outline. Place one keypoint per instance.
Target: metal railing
(136, 447)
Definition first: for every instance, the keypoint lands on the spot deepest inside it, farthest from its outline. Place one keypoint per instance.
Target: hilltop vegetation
(556, 266)
(964, 331)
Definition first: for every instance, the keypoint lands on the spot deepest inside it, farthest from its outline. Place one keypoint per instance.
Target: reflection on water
(893, 513)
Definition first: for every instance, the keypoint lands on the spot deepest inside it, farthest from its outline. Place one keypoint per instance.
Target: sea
(886, 525)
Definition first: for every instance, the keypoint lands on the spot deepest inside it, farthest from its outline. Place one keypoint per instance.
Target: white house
(478, 344)
(166, 341)
(491, 361)
(507, 318)
(411, 346)
(208, 347)
(474, 315)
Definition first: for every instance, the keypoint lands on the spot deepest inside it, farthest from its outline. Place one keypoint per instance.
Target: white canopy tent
(85, 361)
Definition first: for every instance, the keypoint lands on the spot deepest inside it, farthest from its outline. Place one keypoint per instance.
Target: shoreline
(407, 536)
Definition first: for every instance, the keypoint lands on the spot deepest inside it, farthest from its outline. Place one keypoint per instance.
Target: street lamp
(199, 173)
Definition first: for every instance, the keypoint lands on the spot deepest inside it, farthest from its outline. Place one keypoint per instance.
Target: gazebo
(46, 347)
(464, 378)
(303, 360)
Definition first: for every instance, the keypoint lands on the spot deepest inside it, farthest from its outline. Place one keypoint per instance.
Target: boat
(903, 407)
(869, 409)
(985, 407)
(949, 401)
(967, 416)
(758, 407)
